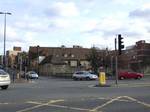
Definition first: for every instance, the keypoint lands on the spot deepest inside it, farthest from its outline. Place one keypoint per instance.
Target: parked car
(32, 75)
(22, 74)
(84, 75)
(4, 79)
(1, 67)
(130, 75)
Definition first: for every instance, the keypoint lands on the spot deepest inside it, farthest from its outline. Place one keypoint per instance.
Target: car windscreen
(79, 72)
(32, 72)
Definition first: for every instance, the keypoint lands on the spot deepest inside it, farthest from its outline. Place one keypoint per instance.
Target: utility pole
(116, 58)
(4, 57)
(38, 59)
(20, 63)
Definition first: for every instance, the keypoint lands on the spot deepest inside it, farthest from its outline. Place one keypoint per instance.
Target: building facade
(11, 57)
(138, 56)
(70, 57)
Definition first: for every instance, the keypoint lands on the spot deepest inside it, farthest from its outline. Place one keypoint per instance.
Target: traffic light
(120, 44)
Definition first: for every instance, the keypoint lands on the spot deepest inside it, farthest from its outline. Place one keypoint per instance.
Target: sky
(87, 23)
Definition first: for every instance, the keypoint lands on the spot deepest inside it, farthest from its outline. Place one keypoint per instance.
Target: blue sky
(52, 23)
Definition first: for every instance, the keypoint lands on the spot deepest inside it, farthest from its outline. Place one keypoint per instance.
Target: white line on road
(4, 103)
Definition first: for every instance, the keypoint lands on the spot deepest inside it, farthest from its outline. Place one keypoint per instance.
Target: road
(65, 95)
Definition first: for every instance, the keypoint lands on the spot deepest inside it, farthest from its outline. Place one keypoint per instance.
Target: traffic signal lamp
(120, 44)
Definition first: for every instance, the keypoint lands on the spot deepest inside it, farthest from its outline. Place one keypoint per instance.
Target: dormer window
(72, 55)
(65, 55)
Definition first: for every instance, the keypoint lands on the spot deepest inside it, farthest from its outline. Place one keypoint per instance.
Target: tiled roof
(63, 53)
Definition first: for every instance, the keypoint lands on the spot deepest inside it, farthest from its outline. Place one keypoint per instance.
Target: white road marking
(4, 103)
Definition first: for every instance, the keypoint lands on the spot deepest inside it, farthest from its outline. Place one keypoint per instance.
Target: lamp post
(4, 57)
(38, 59)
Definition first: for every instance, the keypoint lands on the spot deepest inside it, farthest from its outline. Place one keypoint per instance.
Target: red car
(130, 75)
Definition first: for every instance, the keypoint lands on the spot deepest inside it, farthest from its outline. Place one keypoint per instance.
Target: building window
(65, 55)
(134, 57)
(72, 55)
(57, 55)
(73, 63)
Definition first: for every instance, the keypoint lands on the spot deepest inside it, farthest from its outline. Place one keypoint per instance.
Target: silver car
(84, 75)
(32, 75)
(4, 79)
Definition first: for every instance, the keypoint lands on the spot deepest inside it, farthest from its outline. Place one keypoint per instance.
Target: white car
(84, 75)
(32, 75)
(4, 79)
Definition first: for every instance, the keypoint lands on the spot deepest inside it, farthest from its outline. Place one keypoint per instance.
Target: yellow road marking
(137, 101)
(61, 106)
(123, 100)
(119, 99)
(96, 109)
(39, 105)
(105, 104)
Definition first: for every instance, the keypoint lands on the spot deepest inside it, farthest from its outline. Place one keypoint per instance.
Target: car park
(4, 79)
(81, 75)
(130, 75)
(32, 75)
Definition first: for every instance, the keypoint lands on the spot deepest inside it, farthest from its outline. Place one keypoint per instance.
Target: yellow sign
(102, 78)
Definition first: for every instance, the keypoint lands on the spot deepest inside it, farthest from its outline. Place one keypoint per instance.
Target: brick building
(138, 56)
(11, 56)
(58, 57)
(62, 59)
(53, 60)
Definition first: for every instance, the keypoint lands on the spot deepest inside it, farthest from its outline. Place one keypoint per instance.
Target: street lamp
(38, 59)
(4, 59)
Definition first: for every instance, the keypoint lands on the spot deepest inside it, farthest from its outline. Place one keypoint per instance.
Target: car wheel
(138, 77)
(87, 78)
(74, 78)
(121, 78)
(4, 87)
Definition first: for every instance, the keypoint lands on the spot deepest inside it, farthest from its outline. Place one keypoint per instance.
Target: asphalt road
(65, 95)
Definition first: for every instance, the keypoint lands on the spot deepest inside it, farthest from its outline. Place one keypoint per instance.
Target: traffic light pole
(120, 44)
(116, 58)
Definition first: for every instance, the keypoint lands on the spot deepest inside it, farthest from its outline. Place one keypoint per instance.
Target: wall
(55, 70)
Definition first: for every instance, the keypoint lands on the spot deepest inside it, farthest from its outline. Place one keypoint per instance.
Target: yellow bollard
(102, 78)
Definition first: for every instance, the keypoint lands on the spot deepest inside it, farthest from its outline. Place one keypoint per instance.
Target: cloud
(109, 27)
(90, 26)
(31, 23)
(12, 35)
(107, 24)
(123, 2)
(62, 9)
(128, 32)
(141, 19)
(139, 13)
(60, 24)
(142, 12)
